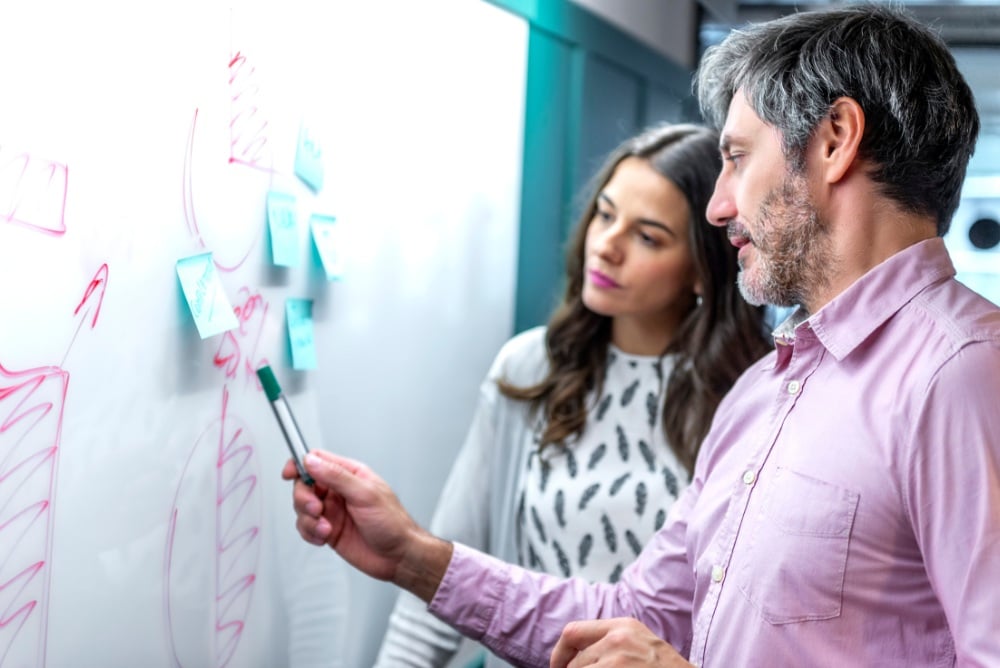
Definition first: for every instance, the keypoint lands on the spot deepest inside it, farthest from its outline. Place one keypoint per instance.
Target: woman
(587, 429)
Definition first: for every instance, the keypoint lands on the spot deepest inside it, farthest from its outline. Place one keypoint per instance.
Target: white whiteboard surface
(142, 517)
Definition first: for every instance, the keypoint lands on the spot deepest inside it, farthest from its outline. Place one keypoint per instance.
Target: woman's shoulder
(522, 360)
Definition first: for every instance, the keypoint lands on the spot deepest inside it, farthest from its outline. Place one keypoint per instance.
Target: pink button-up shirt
(845, 509)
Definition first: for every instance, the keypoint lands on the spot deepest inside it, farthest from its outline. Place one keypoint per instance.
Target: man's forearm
(423, 566)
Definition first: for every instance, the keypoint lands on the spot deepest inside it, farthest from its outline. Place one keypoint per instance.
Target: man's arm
(953, 497)
(519, 614)
(356, 513)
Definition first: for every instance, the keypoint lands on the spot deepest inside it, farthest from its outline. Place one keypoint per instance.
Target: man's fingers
(313, 530)
(345, 477)
(289, 472)
(575, 636)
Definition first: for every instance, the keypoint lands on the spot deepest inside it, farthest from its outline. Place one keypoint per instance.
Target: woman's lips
(602, 281)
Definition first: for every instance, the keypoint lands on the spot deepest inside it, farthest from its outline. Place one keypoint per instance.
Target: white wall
(433, 202)
(143, 521)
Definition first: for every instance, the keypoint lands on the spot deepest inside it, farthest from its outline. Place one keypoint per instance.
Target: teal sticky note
(309, 159)
(327, 238)
(281, 222)
(205, 296)
(298, 314)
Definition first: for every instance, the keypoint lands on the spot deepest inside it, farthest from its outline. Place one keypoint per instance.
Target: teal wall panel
(547, 100)
(589, 85)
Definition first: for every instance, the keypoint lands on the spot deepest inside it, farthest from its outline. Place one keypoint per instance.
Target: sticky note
(309, 159)
(205, 296)
(282, 225)
(298, 314)
(327, 239)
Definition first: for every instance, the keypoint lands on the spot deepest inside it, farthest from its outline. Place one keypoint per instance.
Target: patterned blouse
(587, 508)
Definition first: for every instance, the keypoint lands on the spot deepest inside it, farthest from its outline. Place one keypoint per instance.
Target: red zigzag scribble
(31, 406)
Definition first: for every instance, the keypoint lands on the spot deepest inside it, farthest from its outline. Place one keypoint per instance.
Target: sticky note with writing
(327, 238)
(298, 314)
(205, 296)
(309, 159)
(282, 224)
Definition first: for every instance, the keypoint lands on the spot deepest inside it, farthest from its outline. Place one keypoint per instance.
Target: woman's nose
(609, 243)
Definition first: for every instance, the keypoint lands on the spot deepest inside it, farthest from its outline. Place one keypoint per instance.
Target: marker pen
(283, 412)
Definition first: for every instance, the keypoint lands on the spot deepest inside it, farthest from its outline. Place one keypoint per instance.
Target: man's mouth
(738, 235)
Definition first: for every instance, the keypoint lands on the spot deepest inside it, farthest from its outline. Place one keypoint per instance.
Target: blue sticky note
(206, 298)
(298, 314)
(326, 236)
(309, 159)
(281, 222)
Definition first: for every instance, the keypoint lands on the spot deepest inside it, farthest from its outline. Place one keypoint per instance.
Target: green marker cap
(270, 383)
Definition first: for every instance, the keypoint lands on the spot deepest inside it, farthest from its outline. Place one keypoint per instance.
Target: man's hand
(612, 642)
(355, 512)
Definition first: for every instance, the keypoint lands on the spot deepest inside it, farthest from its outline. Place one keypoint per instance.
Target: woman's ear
(837, 139)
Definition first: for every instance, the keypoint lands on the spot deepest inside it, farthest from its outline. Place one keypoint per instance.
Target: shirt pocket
(793, 568)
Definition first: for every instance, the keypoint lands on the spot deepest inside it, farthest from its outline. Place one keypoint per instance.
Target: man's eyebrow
(726, 142)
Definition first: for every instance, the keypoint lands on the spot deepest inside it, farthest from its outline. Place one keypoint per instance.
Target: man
(845, 508)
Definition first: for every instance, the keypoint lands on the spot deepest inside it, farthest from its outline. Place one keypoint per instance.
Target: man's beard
(792, 257)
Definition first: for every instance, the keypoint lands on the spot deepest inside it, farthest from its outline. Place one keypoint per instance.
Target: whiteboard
(142, 516)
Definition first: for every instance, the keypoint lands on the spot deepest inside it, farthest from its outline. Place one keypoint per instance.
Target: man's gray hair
(921, 122)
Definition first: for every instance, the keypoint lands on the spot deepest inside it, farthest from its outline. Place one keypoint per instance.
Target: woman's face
(638, 267)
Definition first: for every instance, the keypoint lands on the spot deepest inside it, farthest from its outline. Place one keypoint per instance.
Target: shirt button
(718, 572)
(749, 477)
(794, 386)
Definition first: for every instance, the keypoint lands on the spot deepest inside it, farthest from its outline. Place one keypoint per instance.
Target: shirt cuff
(470, 591)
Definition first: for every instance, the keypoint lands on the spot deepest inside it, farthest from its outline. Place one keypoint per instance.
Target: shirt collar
(847, 320)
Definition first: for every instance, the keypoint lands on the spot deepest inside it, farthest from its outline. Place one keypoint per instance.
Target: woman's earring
(698, 301)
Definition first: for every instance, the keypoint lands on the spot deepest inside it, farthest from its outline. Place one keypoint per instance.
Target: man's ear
(838, 137)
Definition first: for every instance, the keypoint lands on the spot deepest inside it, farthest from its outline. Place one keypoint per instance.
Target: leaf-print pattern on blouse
(670, 480)
(536, 561)
(616, 574)
(538, 525)
(629, 393)
(585, 546)
(640, 498)
(622, 443)
(617, 484)
(596, 456)
(589, 494)
(647, 454)
(652, 406)
(561, 508)
(571, 463)
(633, 542)
(546, 469)
(589, 502)
(609, 534)
(602, 407)
(563, 559)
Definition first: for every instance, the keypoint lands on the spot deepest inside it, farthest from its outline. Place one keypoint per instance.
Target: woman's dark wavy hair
(715, 342)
